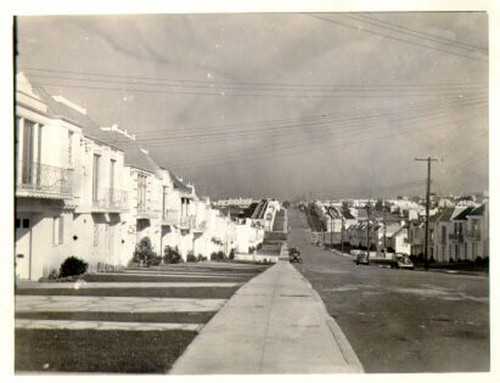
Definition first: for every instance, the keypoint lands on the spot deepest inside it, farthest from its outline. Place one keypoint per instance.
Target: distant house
(416, 236)
(399, 240)
(477, 233)
(461, 234)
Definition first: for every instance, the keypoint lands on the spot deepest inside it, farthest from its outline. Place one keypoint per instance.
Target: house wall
(100, 232)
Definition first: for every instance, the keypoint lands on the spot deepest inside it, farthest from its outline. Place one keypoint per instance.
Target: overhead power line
(277, 149)
(393, 36)
(212, 82)
(348, 128)
(335, 129)
(426, 36)
(237, 93)
(277, 124)
(329, 123)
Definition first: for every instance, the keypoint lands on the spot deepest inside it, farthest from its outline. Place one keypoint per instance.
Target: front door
(23, 247)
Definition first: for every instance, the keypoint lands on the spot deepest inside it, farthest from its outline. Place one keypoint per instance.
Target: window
(70, 148)
(96, 234)
(112, 166)
(28, 152)
(58, 230)
(141, 192)
(112, 193)
(164, 202)
(95, 178)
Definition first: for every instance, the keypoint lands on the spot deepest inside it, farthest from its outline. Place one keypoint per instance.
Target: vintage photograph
(252, 193)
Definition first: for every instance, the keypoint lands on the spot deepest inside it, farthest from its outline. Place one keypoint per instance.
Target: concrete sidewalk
(276, 323)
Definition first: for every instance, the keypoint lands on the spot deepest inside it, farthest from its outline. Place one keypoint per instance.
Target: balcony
(200, 227)
(457, 237)
(473, 235)
(145, 211)
(186, 223)
(45, 181)
(110, 201)
(170, 218)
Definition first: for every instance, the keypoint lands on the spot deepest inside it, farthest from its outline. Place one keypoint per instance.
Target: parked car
(294, 255)
(402, 261)
(362, 258)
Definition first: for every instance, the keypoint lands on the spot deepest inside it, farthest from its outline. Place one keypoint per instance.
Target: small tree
(218, 256)
(191, 257)
(144, 254)
(171, 255)
(72, 266)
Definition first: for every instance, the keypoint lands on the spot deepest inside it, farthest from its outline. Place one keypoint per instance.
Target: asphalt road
(400, 320)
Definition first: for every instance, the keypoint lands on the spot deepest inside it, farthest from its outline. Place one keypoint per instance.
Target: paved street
(400, 320)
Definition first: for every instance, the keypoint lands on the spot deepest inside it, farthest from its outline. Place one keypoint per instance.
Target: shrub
(171, 255)
(201, 258)
(191, 257)
(218, 256)
(72, 266)
(53, 274)
(231, 254)
(144, 254)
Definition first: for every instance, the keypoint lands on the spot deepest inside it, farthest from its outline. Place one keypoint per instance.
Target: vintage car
(402, 261)
(362, 258)
(294, 255)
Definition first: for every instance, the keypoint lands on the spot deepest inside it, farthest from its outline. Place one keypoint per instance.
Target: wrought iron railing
(457, 237)
(110, 200)
(473, 235)
(187, 222)
(40, 178)
(170, 217)
(146, 211)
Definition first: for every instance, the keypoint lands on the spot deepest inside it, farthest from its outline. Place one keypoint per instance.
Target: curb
(346, 349)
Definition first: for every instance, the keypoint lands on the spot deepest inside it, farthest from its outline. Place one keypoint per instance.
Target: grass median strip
(99, 351)
(124, 277)
(152, 317)
(103, 326)
(158, 292)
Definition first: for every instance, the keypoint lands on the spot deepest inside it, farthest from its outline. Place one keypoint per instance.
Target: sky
(285, 105)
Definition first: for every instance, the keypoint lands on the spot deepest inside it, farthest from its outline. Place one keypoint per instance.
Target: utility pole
(427, 208)
(331, 232)
(385, 227)
(368, 230)
(342, 237)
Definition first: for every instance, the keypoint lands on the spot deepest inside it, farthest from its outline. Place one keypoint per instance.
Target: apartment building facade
(92, 192)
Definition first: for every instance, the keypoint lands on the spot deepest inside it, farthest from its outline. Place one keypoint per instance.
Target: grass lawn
(99, 351)
(168, 317)
(157, 292)
(157, 278)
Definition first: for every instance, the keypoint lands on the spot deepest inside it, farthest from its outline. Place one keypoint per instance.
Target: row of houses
(459, 233)
(91, 191)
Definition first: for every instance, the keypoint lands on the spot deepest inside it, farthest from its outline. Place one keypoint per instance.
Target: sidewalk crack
(268, 321)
